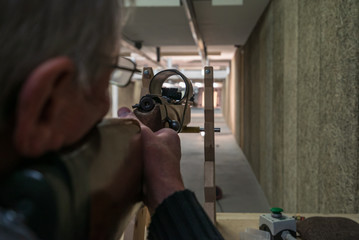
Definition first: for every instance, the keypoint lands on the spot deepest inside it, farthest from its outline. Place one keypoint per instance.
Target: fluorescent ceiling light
(152, 3)
(227, 2)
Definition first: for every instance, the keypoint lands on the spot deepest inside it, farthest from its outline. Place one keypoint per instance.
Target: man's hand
(161, 156)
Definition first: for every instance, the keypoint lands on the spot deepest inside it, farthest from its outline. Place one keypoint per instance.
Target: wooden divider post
(209, 164)
(147, 75)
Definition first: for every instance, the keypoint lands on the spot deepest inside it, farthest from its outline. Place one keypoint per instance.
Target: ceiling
(221, 27)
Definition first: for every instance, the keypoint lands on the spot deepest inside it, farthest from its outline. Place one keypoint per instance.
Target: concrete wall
(230, 97)
(301, 104)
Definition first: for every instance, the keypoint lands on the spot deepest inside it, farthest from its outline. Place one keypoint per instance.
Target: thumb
(123, 112)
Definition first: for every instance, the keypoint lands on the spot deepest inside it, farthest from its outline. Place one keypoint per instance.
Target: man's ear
(42, 99)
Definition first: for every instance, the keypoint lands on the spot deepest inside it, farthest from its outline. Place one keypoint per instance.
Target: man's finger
(166, 131)
(123, 112)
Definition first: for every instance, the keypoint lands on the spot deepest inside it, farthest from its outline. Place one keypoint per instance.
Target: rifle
(92, 190)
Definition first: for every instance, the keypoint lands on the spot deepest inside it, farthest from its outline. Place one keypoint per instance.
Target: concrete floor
(241, 190)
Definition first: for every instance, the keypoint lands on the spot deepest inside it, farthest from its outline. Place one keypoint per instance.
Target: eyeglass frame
(117, 66)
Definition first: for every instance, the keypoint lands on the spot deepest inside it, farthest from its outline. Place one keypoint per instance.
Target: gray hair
(32, 31)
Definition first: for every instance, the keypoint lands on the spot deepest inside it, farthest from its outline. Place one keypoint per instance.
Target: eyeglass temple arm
(127, 69)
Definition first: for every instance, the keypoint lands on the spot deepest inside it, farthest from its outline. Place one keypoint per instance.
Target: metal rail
(196, 34)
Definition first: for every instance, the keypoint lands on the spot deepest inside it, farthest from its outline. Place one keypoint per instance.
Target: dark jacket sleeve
(181, 217)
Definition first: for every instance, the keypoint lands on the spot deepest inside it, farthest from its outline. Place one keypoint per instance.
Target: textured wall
(301, 104)
(231, 90)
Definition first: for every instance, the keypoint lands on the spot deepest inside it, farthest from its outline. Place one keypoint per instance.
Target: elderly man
(56, 60)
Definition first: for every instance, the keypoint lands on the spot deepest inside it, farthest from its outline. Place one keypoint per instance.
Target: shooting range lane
(241, 191)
